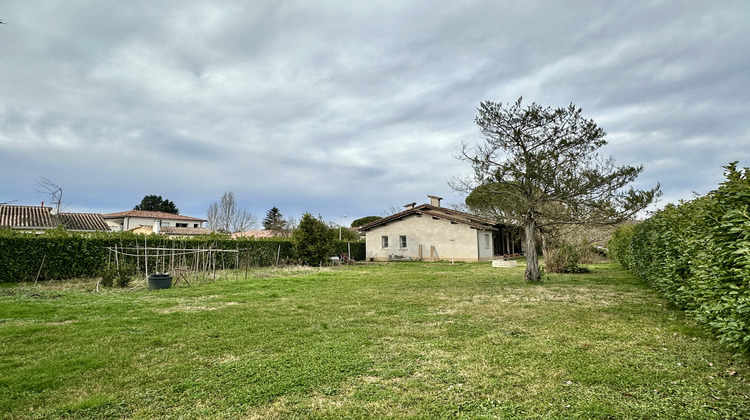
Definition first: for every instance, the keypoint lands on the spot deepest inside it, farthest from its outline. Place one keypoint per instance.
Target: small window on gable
(402, 241)
(384, 241)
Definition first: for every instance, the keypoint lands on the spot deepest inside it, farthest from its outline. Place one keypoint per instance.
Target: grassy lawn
(406, 340)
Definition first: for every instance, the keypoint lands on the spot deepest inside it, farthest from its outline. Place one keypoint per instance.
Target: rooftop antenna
(44, 185)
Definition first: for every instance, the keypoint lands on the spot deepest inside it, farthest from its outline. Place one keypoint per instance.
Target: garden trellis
(198, 262)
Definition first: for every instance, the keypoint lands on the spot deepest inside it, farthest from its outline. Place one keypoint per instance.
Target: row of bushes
(60, 254)
(697, 253)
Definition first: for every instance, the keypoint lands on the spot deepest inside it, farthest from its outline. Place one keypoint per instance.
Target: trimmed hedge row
(60, 255)
(697, 254)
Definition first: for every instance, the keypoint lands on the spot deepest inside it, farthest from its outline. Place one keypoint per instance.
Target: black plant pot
(159, 281)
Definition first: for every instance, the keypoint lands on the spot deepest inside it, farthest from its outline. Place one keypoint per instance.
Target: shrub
(125, 274)
(697, 254)
(313, 240)
(108, 276)
(619, 244)
(563, 258)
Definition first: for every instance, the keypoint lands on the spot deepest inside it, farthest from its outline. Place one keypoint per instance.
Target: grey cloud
(325, 106)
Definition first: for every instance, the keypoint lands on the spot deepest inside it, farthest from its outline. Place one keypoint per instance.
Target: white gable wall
(128, 222)
(468, 244)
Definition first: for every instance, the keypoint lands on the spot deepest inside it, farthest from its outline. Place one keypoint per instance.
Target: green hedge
(61, 255)
(697, 253)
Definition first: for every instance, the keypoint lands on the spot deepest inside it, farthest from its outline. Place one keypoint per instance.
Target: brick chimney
(434, 200)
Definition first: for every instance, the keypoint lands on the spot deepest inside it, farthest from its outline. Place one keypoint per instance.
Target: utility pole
(340, 221)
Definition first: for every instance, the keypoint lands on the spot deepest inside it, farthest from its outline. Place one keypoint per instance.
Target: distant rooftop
(151, 215)
(36, 217)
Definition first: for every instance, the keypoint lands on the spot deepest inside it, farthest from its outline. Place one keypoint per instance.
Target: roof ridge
(150, 214)
(435, 211)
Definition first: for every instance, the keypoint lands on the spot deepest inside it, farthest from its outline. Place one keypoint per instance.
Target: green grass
(407, 340)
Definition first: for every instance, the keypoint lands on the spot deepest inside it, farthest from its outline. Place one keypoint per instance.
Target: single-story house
(37, 219)
(170, 230)
(129, 220)
(431, 232)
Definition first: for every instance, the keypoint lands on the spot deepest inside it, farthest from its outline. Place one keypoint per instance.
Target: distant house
(37, 219)
(432, 232)
(132, 219)
(171, 231)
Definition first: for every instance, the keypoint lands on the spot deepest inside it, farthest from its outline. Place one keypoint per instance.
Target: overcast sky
(351, 108)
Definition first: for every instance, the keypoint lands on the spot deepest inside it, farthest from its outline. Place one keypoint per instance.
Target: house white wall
(485, 244)
(129, 222)
(450, 240)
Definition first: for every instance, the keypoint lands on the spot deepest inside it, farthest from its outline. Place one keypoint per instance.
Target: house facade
(129, 220)
(172, 231)
(429, 232)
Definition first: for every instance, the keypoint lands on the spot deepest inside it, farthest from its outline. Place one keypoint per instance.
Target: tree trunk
(532, 261)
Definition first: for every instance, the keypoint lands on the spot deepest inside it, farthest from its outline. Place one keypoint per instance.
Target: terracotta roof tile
(436, 212)
(82, 221)
(26, 217)
(33, 217)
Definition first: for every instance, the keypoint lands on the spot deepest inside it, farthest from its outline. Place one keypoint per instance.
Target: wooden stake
(145, 256)
(40, 269)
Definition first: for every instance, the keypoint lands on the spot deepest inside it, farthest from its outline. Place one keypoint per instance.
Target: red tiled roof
(454, 216)
(82, 221)
(151, 215)
(33, 217)
(26, 217)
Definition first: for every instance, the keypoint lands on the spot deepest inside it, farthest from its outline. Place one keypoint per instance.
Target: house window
(487, 240)
(384, 241)
(180, 224)
(402, 241)
(195, 225)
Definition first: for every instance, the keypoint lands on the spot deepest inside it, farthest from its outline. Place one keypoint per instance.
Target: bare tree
(393, 209)
(45, 186)
(213, 216)
(291, 225)
(225, 216)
